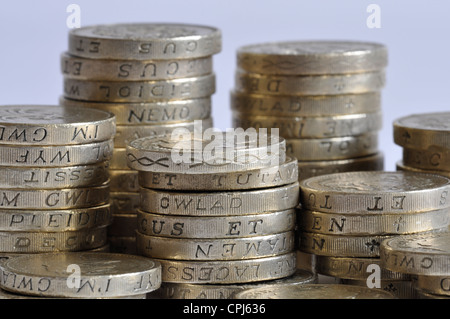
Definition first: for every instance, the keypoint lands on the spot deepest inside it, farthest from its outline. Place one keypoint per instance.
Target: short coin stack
(155, 78)
(345, 217)
(79, 275)
(424, 256)
(216, 219)
(54, 179)
(323, 96)
(425, 139)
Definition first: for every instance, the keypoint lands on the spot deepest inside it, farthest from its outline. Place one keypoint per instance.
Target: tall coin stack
(425, 142)
(155, 78)
(346, 216)
(54, 178)
(323, 96)
(424, 256)
(216, 219)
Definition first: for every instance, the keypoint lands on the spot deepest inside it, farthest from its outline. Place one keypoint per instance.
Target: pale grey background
(34, 33)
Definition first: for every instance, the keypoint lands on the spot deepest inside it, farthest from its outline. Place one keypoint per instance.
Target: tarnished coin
(357, 268)
(376, 192)
(278, 175)
(214, 227)
(439, 285)
(209, 291)
(133, 70)
(308, 105)
(54, 125)
(310, 84)
(99, 275)
(333, 148)
(220, 203)
(192, 152)
(312, 126)
(418, 254)
(228, 271)
(307, 169)
(215, 249)
(314, 291)
(433, 158)
(54, 177)
(140, 92)
(172, 111)
(422, 131)
(145, 41)
(312, 57)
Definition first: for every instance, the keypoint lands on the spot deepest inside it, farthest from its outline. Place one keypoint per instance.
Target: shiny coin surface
(172, 111)
(357, 268)
(142, 91)
(209, 291)
(40, 242)
(334, 148)
(54, 125)
(314, 291)
(421, 131)
(215, 249)
(228, 271)
(125, 134)
(63, 198)
(145, 41)
(298, 106)
(229, 226)
(400, 166)
(54, 177)
(372, 224)
(344, 246)
(307, 169)
(53, 220)
(310, 84)
(220, 203)
(100, 275)
(312, 126)
(133, 70)
(192, 152)
(278, 175)
(418, 254)
(375, 192)
(55, 156)
(312, 57)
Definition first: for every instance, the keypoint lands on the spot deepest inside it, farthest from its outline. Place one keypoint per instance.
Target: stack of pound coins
(78, 275)
(225, 218)
(155, 78)
(425, 142)
(426, 257)
(54, 178)
(344, 218)
(324, 97)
